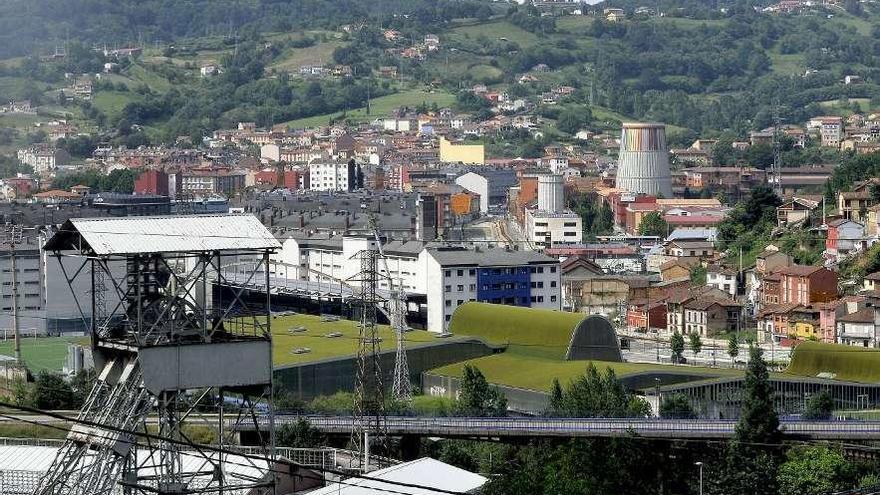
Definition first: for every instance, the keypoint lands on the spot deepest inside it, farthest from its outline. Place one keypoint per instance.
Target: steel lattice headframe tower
(164, 346)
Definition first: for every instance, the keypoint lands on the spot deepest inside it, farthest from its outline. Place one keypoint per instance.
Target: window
(540, 299)
(446, 317)
(472, 287)
(448, 288)
(569, 224)
(449, 303)
(540, 269)
(460, 288)
(459, 302)
(447, 273)
(534, 299)
(569, 234)
(472, 272)
(459, 273)
(552, 298)
(552, 283)
(552, 269)
(534, 285)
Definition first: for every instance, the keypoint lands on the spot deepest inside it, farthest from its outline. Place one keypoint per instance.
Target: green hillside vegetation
(293, 58)
(841, 362)
(379, 107)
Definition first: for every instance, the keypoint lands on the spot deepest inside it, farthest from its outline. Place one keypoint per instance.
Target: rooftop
(464, 256)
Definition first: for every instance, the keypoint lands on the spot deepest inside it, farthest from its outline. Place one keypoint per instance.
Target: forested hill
(27, 26)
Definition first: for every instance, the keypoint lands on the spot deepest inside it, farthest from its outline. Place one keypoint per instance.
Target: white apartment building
(545, 229)
(455, 275)
(334, 176)
(44, 159)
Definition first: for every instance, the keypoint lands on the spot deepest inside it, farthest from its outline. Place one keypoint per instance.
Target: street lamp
(699, 464)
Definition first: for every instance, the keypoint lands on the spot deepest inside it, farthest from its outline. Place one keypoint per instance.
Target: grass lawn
(13, 88)
(496, 30)
(485, 73)
(380, 107)
(292, 58)
(111, 103)
(863, 103)
(40, 354)
(846, 20)
(19, 121)
(787, 64)
(573, 23)
(322, 347)
(840, 362)
(143, 75)
(535, 373)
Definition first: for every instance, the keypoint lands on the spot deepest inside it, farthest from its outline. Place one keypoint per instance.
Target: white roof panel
(189, 233)
(426, 472)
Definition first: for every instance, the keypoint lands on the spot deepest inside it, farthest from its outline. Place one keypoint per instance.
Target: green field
(381, 107)
(864, 105)
(293, 58)
(111, 103)
(856, 364)
(19, 121)
(322, 347)
(787, 64)
(496, 30)
(40, 354)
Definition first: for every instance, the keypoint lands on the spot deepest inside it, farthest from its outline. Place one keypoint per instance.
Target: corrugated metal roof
(144, 235)
(425, 472)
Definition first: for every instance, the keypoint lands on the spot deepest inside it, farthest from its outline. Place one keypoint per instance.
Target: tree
(758, 422)
(750, 465)
(82, 384)
(300, 435)
(594, 395)
(733, 347)
(556, 397)
(50, 391)
(654, 224)
(477, 398)
(676, 346)
(676, 406)
(814, 470)
(820, 406)
(573, 120)
(695, 343)
(698, 275)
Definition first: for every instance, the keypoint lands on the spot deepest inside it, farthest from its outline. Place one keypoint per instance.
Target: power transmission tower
(369, 396)
(12, 236)
(401, 389)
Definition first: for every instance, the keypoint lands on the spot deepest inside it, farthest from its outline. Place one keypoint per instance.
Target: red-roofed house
(800, 284)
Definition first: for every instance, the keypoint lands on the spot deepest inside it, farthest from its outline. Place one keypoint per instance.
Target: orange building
(461, 204)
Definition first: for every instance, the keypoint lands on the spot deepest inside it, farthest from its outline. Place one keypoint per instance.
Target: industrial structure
(166, 351)
(643, 162)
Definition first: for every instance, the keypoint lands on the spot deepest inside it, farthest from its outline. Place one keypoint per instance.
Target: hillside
(745, 64)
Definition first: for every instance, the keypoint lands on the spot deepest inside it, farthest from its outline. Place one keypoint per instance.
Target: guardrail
(582, 427)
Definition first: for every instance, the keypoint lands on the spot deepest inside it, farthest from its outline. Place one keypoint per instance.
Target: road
(578, 427)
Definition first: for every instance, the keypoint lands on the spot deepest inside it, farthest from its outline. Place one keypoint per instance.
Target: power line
(212, 448)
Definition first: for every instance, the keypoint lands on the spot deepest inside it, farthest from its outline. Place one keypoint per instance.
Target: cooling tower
(643, 163)
(550, 193)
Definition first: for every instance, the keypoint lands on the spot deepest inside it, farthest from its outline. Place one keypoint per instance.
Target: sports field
(46, 353)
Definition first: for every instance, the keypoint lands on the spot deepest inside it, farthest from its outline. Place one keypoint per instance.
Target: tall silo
(550, 193)
(643, 163)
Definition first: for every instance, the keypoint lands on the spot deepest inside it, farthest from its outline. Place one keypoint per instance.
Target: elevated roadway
(584, 427)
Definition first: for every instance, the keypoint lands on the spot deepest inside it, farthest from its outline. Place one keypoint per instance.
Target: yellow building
(473, 154)
(805, 330)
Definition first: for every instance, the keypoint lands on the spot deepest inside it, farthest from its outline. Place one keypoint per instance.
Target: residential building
(708, 316)
(456, 274)
(152, 181)
(843, 238)
(795, 211)
(491, 185)
(857, 329)
(43, 158)
(545, 229)
(335, 176)
(800, 284)
(722, 278)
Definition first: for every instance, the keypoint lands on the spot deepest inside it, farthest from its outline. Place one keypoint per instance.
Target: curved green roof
(534, 332)
(840, 362)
